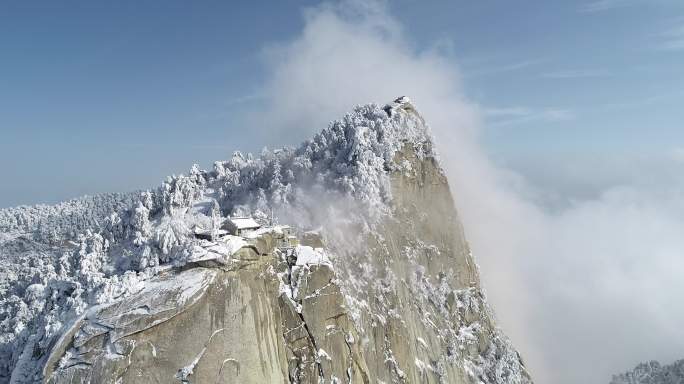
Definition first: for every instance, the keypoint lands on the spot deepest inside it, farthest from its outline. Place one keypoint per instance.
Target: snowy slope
(349, 182)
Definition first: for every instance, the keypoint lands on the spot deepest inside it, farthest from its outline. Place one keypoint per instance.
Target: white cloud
(605, 5)
(584, 292)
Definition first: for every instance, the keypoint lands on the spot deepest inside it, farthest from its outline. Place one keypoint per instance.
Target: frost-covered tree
(92, 256)
(215, 219)
(140, 222)
(652, 372)
(171, 234)
(114, 228)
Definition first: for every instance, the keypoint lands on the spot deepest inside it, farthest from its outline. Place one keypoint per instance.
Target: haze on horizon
(560, 126)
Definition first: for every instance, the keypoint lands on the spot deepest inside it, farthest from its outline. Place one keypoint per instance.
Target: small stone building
(240, 226)
(208, 234)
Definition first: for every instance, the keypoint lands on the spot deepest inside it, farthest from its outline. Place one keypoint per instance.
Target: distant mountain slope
(652, 373)
(397, 297)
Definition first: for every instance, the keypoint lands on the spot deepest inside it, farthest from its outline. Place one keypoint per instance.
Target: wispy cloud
(673, 38)
(501, 68)
(677, 155)
(506, 112)
(227, 107)
(605, 5)
(645, 100)
(500, 117)
(575, 74)
(244, 99)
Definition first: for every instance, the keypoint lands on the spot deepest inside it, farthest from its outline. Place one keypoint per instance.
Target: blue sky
(559, 126)
(101, 96)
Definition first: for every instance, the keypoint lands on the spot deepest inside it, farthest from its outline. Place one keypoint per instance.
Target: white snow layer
(309, 256)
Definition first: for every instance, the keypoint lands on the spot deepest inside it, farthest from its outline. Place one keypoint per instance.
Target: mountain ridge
(652, 372)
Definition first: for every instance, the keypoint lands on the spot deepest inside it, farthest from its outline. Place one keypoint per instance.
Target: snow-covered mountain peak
(394, 297)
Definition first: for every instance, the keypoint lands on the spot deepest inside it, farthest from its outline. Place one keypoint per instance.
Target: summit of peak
(400, 103)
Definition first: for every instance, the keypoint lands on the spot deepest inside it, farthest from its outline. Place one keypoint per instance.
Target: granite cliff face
(382, 287)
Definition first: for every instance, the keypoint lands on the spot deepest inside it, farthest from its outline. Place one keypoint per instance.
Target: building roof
(202, 231)
(244, 223)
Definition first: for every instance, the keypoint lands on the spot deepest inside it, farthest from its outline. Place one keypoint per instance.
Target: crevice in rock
(290, 260)
(312, 340)
(348, 339)
(184, 373)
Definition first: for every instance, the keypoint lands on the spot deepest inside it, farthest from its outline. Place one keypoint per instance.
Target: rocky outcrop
(202, 324)
(249, 318)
